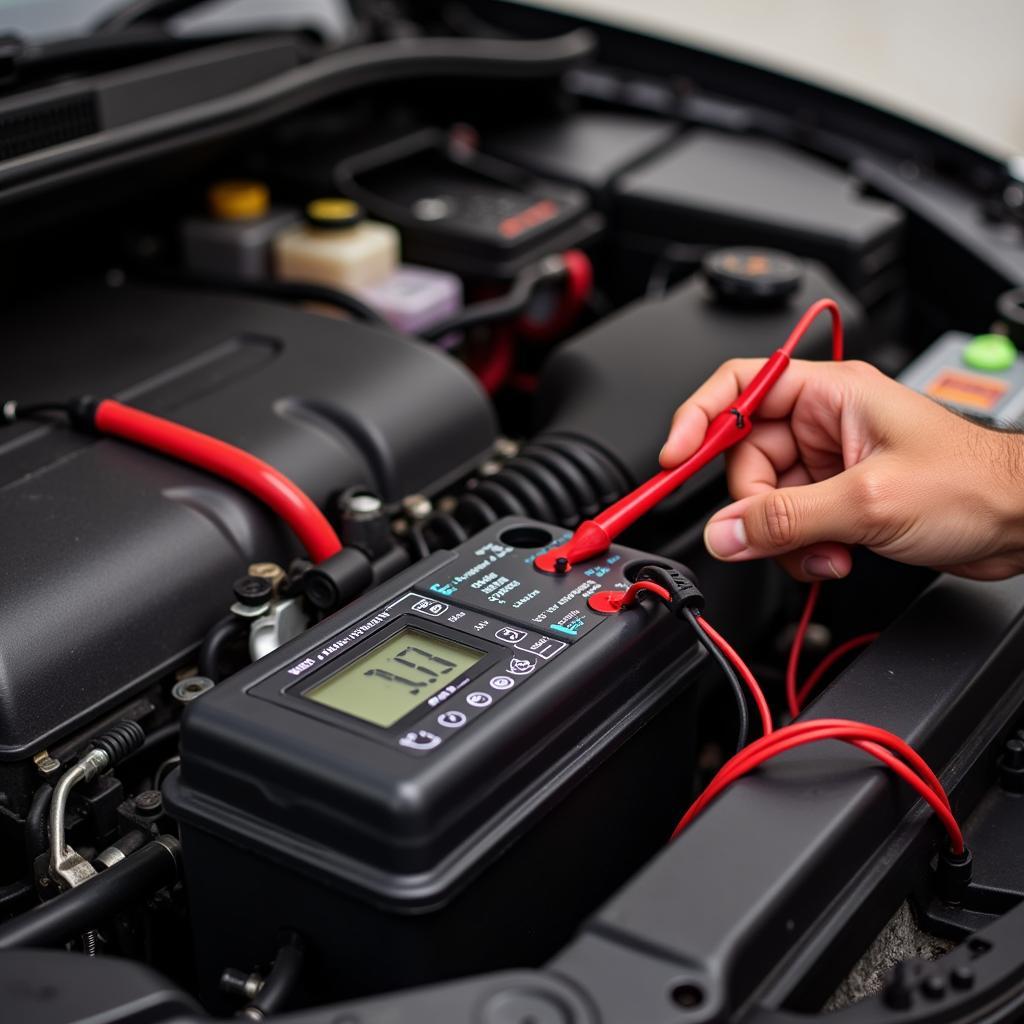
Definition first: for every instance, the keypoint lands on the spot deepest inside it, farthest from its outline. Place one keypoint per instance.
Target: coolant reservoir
(336, 247)
(235, 238)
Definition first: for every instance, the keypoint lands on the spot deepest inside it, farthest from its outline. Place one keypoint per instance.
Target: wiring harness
(680, 594)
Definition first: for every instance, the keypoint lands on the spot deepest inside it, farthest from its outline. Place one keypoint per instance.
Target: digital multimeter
(468, 744)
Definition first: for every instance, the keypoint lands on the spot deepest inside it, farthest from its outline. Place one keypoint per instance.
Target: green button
(992, 352)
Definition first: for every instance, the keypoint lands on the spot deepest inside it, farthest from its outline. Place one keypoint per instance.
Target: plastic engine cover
(118, 560)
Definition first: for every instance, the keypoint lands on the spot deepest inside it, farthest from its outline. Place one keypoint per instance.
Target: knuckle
(863, 373)
(873, 499)
(778, 520)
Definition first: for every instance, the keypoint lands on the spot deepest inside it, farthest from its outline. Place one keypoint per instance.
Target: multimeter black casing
(479, 829)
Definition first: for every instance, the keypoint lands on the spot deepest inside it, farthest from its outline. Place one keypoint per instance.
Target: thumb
(783, 520)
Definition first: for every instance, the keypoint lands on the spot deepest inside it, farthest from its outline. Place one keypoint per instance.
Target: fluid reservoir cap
(991, 352)
(333, 213)
(238, 200)
(749, 276)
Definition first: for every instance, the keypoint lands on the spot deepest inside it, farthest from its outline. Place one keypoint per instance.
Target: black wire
(743, 737)
(37, 833)
(16, 897)
(270, 289)
(674, 256)
(418, 541)
(30, 410)
(504, 307)
(212, 649)
(282, 979)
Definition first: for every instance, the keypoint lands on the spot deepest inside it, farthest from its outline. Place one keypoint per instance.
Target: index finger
(691, 420)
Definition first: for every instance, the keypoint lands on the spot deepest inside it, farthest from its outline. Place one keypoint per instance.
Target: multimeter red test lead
(593, 536)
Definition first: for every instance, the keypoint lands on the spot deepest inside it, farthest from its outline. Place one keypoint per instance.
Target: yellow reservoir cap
(238, 200)
(333, 212)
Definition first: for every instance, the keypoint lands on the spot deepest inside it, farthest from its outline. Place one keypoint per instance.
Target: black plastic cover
(117, 561)
(743, 190)
(589, 148)
(462, 210)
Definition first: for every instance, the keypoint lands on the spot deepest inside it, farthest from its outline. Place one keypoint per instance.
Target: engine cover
(118, 560)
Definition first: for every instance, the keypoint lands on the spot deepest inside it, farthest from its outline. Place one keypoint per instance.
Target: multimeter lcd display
(384, 685)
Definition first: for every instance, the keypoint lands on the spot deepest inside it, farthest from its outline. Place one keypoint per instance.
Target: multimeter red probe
(252, 474)
(594, 536)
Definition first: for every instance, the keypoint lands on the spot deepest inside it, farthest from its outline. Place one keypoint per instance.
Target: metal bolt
(149, 803)
(492, 467)
(417, 506)
(363, 506)
(270, 571)
(506, 448)
(186, 690)
(238, 983)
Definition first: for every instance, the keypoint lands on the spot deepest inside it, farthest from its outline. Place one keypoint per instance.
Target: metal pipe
(68, 867)
(87, 906)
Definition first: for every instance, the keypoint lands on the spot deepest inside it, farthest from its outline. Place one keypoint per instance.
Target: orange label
(540, 212)
(967, 389)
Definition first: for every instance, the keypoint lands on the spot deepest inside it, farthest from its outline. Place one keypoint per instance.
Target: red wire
(796, 648)
(254, 475)
(870, 739)
(644, 586)
(844, 728)
(499, 361)
(813, 311)
(829, 660)
(745, 674)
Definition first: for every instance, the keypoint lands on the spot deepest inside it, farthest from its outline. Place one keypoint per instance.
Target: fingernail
(725, 538)
(821, 567)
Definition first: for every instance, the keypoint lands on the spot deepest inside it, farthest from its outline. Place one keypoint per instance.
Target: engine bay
(318, 702)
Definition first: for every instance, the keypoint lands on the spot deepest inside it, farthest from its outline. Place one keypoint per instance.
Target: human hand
(840, 455)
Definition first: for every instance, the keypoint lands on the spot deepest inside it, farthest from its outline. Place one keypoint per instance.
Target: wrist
(1003, 485)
